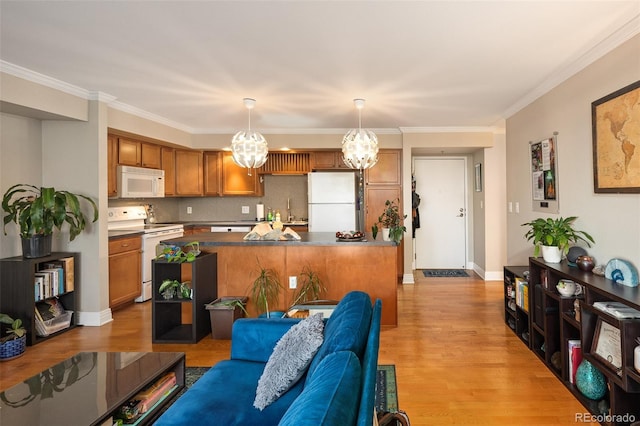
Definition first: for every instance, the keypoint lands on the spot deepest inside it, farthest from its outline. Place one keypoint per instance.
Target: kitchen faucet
(289, 216)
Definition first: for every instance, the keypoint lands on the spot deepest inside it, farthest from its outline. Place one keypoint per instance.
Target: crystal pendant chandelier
(360, 146)
(249, 148)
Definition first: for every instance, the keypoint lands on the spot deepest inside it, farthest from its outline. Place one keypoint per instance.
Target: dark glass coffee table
(89, 388)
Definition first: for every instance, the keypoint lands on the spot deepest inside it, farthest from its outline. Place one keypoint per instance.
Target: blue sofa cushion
(370, 368)
(224, 396)
(347, 328)
(331, 395)
(289, 361)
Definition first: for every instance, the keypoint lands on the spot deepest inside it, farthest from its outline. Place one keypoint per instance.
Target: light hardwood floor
(456, 361)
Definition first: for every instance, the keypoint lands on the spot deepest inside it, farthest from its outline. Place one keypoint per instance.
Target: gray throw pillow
(289, 360)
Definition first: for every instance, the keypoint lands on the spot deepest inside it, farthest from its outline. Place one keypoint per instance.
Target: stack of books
(54, 278)
(51, 316)
(135, 409)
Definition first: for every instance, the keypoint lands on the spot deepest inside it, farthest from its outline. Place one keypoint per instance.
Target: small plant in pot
(38, 210)
(14, 343)
(310, 287)
(554, 236)
(391, 221)
(265, 292)
(170, 288)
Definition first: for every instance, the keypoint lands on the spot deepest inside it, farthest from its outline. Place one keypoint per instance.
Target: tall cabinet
(606, 340)
(18, 290)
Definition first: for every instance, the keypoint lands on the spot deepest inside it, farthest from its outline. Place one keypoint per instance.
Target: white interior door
(441, 241)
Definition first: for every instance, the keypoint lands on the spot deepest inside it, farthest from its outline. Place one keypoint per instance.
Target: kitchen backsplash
(277, 189)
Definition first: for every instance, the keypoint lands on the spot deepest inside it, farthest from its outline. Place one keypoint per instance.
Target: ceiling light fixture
(249, 148)
(360, 146)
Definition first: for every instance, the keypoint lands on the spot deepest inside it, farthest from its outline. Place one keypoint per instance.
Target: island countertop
(369, 266)
(306, 239)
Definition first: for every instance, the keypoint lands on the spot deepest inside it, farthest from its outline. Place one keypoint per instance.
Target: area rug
(386, 389)
(444, 273)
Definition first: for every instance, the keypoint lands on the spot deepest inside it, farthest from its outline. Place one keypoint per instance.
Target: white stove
(133, 218)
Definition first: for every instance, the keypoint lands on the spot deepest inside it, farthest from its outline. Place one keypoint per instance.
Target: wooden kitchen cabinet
(125, 270)
(189, 173)
(387, 170)
(138, 154)
(129, 152)
(168, 159)
(151, 156)
(212, 173)
(237, 181)
(328, 160)
(112, 166)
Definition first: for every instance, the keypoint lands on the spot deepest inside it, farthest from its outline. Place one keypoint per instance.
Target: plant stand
(177, 320)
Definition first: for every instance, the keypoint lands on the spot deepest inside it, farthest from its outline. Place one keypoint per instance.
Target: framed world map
(616, 141)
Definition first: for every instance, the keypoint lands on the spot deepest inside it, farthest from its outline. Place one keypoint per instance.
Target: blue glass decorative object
(590, 381)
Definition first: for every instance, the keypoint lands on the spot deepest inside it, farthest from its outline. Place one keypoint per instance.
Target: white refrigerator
(332, 201)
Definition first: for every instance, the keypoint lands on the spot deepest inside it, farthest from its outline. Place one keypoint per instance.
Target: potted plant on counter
(265, 292)
(14, 343)
(392, 222)
(38, 210)
(554, 237)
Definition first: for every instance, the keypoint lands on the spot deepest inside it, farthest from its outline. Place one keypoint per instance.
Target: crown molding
(592, 54)
(469, 129)
(120, 106)
(36, 77)
(309, 131)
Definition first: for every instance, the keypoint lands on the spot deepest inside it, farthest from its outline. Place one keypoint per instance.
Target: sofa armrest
(253, 339)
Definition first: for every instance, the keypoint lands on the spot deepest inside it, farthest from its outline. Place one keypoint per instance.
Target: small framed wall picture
(607, 345)
(478, 177)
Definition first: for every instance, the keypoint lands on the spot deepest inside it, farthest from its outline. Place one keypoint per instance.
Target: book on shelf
(617, 309)
(574, 349)
(66, 274)
(522, 294)
(49, 309)
(155, 392)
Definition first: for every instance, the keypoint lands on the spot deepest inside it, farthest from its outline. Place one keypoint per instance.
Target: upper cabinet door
(387, 170)
(112, 166)
(237, 181)
(189, 172)
(212, 173)
(168, 156)
(129, 152)
(151, 157)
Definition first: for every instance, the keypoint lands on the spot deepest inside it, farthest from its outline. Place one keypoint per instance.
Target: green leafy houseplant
(391, 219)
(15, 329)
(309, 288)
(187, 253)
(556, 233)
(38, 210)
(170, 288)
(265, 290)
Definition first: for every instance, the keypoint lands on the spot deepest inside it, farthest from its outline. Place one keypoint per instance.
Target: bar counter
(368, 265)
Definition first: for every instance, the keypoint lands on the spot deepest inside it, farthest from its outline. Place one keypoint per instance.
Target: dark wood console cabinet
(553, 320)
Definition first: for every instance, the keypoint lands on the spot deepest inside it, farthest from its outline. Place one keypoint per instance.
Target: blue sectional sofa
(337, 389)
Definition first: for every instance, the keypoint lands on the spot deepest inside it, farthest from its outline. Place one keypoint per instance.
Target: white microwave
(140, 182)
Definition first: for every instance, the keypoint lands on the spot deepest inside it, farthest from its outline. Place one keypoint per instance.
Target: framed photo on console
(607, 345)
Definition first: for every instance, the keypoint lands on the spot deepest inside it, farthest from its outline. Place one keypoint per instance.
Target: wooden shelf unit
(553, 322)
(184, 320)
(514, 316)
(17, 291)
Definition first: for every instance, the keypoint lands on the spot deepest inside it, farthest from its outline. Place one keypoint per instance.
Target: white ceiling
(419, 64)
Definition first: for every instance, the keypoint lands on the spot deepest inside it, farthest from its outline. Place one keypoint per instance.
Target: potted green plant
(38, 210)
(309, 288)
(170, 288)
(186, 253)
(265, 291)
(223, 312)
(392, 222)
(554, 236)
(14, 343)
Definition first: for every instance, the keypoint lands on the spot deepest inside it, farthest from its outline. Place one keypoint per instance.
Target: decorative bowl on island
(566, 288)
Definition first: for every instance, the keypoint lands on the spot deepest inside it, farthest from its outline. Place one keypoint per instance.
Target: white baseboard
(95, 319)
(408, 279)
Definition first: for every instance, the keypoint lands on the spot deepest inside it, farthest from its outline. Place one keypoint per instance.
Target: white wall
(612, 219)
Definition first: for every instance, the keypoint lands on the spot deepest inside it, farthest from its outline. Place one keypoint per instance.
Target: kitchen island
(368, 265)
